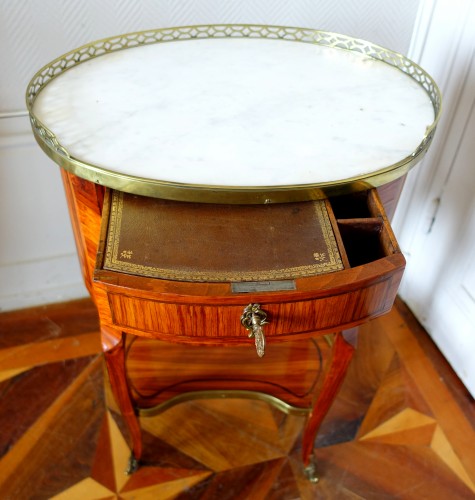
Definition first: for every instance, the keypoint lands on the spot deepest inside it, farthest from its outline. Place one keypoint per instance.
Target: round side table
(230, 191)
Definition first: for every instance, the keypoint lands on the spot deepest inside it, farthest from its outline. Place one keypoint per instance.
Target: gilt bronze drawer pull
(253, 318)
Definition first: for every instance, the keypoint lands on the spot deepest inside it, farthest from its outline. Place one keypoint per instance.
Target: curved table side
(85, 201)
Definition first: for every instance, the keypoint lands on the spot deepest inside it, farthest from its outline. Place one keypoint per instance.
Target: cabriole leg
(113, 346)
(342, 353)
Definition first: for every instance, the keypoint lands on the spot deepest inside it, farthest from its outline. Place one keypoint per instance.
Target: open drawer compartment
(315, 267)
(365, 231)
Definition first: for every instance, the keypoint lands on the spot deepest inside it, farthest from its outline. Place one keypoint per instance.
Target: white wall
(37, 255)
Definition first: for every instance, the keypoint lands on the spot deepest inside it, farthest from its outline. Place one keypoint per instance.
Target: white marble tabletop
(236, 112)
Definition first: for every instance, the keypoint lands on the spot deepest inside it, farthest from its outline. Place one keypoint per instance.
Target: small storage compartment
(362, 240)
(351, 206)
(364, 229)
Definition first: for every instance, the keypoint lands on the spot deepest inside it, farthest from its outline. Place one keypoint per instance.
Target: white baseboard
(29, 284)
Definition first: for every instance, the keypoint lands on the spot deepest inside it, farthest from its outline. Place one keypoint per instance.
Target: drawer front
(204, 322)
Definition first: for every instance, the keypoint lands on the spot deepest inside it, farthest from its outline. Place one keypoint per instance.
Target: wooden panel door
(435, 222)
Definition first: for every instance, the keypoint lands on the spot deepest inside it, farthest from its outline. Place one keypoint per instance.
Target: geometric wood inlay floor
(401, 427)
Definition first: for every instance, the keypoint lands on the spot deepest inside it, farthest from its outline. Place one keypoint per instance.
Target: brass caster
(310, 471)
(132, 466)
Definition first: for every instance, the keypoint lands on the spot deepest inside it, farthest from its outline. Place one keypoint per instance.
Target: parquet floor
(402, 426)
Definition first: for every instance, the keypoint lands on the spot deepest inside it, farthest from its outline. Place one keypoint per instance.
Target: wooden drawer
(203, 312)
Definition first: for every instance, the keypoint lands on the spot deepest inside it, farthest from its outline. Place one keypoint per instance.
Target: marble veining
(236, 112)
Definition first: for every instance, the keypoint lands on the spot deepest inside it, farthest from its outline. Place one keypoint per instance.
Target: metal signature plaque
(262, 286)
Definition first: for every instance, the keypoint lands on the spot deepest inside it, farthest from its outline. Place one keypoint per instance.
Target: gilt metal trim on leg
(310, 470)
(132, 465)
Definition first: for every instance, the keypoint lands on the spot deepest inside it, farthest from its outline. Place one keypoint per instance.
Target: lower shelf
(162, 374)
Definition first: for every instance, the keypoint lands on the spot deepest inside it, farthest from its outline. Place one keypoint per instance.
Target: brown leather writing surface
(209, 242)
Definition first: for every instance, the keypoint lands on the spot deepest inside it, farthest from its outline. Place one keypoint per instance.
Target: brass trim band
(226, 394)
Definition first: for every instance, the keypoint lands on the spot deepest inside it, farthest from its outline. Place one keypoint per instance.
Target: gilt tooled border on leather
(112, 262)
